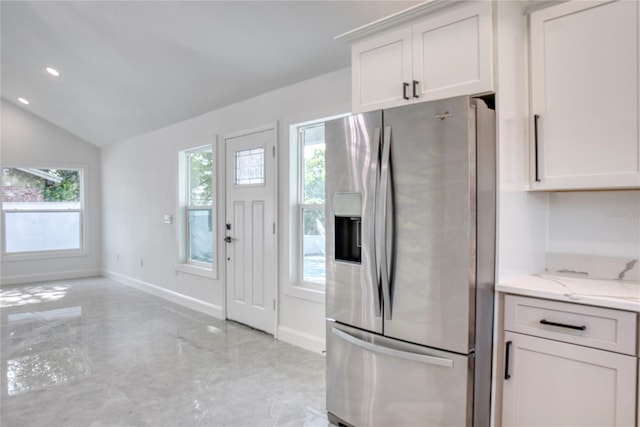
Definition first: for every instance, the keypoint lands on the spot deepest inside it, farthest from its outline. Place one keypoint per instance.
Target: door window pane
(200, 237)
(250, 166)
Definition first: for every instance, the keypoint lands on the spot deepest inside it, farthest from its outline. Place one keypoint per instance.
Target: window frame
(301, 206)
(185, 263)
(299, 287)
(290, 214)
(83, 230)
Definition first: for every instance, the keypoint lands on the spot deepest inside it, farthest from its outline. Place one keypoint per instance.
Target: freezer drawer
(377, 381)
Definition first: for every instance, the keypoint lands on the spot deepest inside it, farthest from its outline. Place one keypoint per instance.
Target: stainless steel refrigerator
(410, 265)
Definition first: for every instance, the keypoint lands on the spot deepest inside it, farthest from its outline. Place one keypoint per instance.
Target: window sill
(301, 292)
(38, 255)
(196, 270)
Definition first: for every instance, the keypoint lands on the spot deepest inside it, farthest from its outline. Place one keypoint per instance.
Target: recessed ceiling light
(53, 71)
(24, 101)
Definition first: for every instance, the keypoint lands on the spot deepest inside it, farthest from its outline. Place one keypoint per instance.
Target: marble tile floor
(95, 353)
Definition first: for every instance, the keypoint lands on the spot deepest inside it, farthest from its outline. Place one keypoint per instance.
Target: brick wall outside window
(21, 194)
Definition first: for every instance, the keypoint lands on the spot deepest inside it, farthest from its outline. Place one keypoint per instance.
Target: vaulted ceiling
(129, 67)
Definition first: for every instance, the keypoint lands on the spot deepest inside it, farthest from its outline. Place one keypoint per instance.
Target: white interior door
(251, 249)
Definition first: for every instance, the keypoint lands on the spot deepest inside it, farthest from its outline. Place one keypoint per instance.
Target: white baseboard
(47, 277)
(301, 339)
(169, 295)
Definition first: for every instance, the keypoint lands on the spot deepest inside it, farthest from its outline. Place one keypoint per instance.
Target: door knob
(228, 239)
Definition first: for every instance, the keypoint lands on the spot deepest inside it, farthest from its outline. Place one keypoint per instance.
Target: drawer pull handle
(562, 325)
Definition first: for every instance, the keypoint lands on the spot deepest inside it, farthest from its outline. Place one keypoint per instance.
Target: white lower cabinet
(548, 382)
(551, 383)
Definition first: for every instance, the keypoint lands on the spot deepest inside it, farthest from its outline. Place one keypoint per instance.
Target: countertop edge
(598, 301)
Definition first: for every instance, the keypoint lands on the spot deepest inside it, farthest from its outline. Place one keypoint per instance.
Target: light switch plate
(168, 219)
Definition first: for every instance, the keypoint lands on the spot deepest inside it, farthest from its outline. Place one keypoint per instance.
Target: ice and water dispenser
(348, 221)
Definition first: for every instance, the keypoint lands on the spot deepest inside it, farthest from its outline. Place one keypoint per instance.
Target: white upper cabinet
(443, 54)
(452, 53)
(381, 68)
(584, 96)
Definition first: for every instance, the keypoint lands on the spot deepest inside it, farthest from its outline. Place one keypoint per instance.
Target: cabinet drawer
(589, 326)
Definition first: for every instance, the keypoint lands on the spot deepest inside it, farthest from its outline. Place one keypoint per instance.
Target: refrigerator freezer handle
(381, 223)
(376, 348)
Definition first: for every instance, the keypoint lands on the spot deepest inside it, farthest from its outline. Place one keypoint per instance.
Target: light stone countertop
(618, 294)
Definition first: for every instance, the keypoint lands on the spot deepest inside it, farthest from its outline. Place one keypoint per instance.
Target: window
(42, 210)
(307, 260)
(199, 207)
(196, 221)
(311, 216)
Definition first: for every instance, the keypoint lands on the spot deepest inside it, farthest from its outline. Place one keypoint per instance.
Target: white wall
(603, 223)
(140, 185)
(30, 141)
(522, 215)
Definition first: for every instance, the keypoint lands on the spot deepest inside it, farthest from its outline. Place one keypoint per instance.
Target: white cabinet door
(447, 53)
(584, 95)
(452, 53)
(551, 383)
(381, 71)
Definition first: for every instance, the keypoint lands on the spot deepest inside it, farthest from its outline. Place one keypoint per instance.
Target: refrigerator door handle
(374, 268)
(380, 349)
(381, 223)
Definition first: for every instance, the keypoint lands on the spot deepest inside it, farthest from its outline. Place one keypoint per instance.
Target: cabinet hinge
(274, 228)
(274, 304)
(274, 151)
